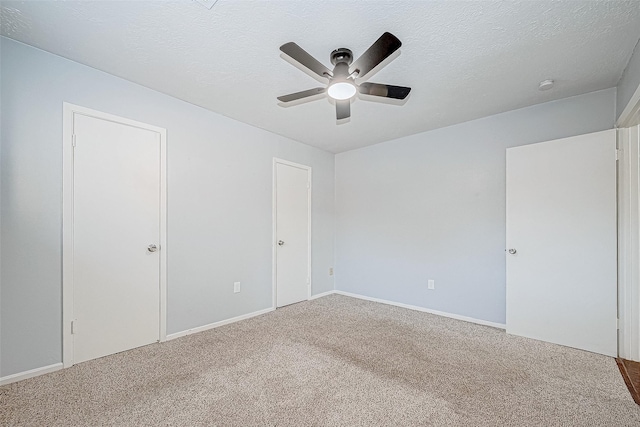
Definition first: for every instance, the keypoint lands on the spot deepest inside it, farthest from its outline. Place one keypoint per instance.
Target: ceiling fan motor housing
(341, 55)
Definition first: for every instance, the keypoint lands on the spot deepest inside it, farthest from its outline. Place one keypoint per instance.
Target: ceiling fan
(341, 81)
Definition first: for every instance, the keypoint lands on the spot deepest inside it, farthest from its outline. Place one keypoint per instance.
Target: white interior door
(116, 217)
(292, 195)
(561, 221)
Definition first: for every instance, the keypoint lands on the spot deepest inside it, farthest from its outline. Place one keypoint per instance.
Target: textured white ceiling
(464, 60)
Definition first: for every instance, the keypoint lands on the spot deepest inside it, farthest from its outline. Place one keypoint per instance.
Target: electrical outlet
(236, 287)
(431, 284)
(330, 271)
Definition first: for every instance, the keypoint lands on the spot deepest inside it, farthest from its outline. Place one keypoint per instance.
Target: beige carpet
(335, 361)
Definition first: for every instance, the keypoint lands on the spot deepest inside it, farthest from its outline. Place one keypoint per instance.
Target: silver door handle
(512, 251)
(152, 248)
(280, 242)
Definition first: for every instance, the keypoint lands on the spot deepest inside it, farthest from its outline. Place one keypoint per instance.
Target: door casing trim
(69, 111)
(628, 245)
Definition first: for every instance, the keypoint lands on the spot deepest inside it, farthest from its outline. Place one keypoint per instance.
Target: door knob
(512, 251)
(152, 248)
(280, 242)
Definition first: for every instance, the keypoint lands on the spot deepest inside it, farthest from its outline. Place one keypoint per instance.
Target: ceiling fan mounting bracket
(341, 55)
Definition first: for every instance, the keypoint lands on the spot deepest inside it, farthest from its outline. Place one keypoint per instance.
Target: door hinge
(74, 327)
(73, 140)
(618, 324)
(308, 184)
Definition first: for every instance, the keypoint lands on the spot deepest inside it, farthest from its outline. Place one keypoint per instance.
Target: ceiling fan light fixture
(341, 90)
(342, 86)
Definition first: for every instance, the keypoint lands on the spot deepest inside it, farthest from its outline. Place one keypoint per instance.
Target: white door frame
(630, 116)
(628, 244)
(68, 141)
(274, 247)
(629, 230)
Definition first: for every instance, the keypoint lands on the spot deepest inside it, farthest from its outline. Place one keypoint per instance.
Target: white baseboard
(57, 366)
(30, 374)
(218, 324)
(323, 294)
(425, 310)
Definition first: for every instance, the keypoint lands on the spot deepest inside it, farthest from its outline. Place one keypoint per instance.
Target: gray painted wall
(629, 82)
(432, 206)
(219, 195)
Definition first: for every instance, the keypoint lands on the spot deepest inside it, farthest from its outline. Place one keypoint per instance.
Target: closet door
(292, 208)
(116, 237)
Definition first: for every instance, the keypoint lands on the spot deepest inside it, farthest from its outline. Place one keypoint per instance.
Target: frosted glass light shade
(341, 90)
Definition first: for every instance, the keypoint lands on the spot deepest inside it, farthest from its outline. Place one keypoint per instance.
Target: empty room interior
(327, 213)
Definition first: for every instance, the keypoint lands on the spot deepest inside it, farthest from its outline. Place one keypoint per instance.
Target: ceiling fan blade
(387, 91)
(301, 55)
(378, 52)
(343, 109)
(303, 94)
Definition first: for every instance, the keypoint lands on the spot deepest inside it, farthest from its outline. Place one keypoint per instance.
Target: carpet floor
(334, 361)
